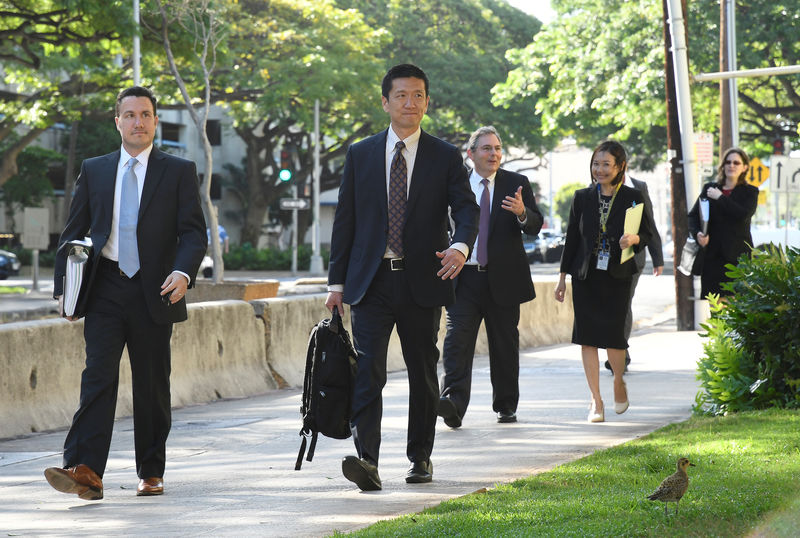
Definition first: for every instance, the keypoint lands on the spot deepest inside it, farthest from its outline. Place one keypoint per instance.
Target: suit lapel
(107, 179)
(422, 164)
(376, 173)
(500, 192)
(156, 165)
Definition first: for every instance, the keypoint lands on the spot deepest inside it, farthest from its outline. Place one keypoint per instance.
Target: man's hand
(514, 203)
(334, 298)
(61, 309)
(658, 270)
(177, 284)
(452, 262)
(702, 239)
(561, 290)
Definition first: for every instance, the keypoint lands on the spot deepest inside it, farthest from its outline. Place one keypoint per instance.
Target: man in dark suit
(656, 256)
(391, 261)
(494, 282)
(142, 209)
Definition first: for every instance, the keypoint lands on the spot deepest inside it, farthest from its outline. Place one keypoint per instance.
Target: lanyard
(604, 214)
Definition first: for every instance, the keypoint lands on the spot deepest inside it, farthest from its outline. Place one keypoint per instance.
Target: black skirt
(600, 304)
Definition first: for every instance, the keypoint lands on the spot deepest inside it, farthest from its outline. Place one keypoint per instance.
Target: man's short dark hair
(135, 91)
(402, 71)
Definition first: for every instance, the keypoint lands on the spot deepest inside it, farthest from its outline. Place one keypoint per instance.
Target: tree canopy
(597, 71)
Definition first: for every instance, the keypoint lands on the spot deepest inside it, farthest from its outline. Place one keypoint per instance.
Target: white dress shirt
(111, 248)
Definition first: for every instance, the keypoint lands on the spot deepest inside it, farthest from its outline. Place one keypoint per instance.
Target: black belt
(113, 266)
(479, 268)
(393, 264)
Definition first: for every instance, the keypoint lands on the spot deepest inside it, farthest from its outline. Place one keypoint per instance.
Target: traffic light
(285, 173)
(777, 146)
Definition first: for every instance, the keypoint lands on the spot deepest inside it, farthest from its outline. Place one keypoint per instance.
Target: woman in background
(600, 283)
(731, 202)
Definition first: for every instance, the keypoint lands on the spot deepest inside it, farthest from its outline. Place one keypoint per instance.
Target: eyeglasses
(734, 163)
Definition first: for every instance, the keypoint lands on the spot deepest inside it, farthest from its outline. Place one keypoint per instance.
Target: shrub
(752, 356)
(269, 259)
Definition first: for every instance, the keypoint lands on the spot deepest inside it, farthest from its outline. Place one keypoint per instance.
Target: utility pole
(136, 65)
(728, 96)
(684, 285)
(316, 265)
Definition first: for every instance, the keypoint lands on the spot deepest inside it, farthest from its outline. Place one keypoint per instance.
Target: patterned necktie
(128, 217)
(483, 225)
(398, 192)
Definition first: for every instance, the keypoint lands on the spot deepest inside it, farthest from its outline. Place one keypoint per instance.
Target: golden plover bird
(674, 486)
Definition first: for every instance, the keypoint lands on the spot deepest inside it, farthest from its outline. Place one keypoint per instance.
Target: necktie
(483, 225)
(398, 192)
(128, 217)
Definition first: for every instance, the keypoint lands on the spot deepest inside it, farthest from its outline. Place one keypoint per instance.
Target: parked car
(9, 264)
(553, 245)
(534, 248)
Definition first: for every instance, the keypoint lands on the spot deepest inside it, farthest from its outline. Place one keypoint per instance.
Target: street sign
(758, 172)
(36, 224)
(786, 173)
(295, 203)
(704, 153)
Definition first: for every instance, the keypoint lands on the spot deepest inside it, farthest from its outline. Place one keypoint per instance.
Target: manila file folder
(633, 218)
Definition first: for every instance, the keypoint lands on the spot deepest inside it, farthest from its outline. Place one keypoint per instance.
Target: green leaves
(752, 356)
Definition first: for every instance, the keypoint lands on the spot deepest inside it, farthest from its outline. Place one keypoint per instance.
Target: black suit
(120, 310)
(653, 247)
(411, 298)
(493, 296)
(600, 298)
(728, 232)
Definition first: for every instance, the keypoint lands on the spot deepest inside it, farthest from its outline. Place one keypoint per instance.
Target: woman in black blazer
(600, 283)
(731, 204)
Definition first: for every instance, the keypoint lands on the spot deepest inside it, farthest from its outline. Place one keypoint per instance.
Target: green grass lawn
(746, 479)
(12, 290)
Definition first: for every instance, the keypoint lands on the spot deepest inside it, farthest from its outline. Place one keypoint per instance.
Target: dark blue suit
(171, 235)
(411, 298)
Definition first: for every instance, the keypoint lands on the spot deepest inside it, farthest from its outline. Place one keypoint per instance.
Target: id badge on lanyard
(604, 252)
(603, 255)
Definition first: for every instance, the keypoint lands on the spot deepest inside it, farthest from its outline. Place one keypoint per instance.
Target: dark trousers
(473, 304)
(629, 317)
(387, 304)
(117, 315)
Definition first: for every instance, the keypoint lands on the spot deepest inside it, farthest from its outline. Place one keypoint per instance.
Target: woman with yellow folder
(597, 254)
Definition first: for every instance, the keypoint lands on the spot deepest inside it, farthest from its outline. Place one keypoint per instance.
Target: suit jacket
(361, 222)
(728, 222)
(171, 230)
(583, 230)
(509, 270)
(654, 245)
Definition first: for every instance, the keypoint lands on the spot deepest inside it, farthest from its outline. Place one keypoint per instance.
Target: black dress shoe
(506, 416)
(419, 472)
(362, 472)
(448, 411)
(627, 362)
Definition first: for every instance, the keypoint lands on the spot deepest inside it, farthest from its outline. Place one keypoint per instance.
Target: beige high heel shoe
(594, 415)
(621, 407)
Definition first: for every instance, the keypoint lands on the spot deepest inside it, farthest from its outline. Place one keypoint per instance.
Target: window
(214, 132)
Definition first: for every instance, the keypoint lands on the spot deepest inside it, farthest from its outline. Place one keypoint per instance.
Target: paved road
(230, 463)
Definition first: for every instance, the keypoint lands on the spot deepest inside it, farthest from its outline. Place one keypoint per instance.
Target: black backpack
(328, 385)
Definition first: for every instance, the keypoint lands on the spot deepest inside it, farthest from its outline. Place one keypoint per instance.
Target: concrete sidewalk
(230, 464)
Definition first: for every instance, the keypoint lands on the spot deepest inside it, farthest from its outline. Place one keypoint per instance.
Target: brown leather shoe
(151, 486)
(80, 480)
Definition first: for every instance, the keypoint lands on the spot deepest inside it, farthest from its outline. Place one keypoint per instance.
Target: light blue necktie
(128, 217)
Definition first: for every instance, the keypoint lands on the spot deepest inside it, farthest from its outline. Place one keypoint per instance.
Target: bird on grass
(674, 486)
